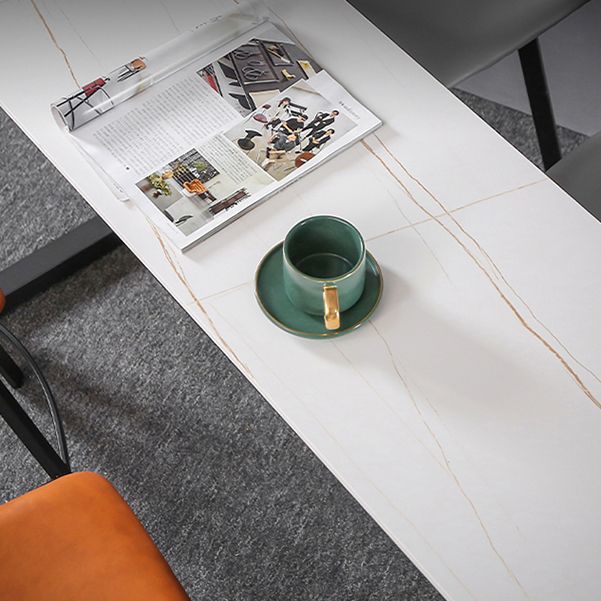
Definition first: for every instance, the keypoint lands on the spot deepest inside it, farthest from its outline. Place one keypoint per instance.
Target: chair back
(454, 40)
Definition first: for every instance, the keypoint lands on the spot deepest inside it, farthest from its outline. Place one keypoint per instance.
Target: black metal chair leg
(9, 370)
(30, 435)
(540, 102)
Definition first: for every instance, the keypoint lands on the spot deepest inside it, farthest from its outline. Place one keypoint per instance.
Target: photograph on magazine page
(294, 128)
(258, 70)
(193, 189)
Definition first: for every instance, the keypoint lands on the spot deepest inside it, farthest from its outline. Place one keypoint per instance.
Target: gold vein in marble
(414, 402)
(365, 475)
(225, 291)
(495, 267)
(393, 410)
(503, 296)
(168, 13)
(490, 196)
(184, 280)
(81, 38)
(492, 263)
(449, 469)
(55, 42)
(457, 209)
(420, 235)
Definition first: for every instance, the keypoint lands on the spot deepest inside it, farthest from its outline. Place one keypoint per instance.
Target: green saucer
(272, 298)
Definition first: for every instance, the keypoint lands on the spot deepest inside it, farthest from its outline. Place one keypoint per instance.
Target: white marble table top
(466, 416)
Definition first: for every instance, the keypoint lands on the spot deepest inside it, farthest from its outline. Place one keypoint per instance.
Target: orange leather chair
(74, 538)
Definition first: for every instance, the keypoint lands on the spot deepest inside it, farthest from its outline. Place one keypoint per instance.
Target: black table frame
(56, 260)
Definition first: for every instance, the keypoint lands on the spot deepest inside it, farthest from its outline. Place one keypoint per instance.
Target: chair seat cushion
(75, 539)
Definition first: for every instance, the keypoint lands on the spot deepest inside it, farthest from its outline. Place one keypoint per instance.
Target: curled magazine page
(109, 90)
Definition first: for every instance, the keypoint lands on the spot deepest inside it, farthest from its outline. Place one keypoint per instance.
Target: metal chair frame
(55, 464)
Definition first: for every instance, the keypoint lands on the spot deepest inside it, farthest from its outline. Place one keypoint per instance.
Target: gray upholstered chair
(454, 40)
(579, 174)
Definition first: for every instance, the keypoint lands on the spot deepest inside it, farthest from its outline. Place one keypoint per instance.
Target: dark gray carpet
(239, 506)
(517, 127)
(36, 204)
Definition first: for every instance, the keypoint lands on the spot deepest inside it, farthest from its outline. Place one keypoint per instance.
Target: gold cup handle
(331, 308)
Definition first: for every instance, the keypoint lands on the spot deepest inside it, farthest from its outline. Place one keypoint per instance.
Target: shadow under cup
(323, 251)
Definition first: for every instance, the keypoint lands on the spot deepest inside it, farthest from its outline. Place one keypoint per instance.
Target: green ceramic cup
(324, 267)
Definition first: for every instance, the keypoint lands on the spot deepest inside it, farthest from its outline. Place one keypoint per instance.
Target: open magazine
(200, 130)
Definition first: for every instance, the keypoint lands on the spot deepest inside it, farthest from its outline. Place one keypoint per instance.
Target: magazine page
(206, 144)
(104, 93)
